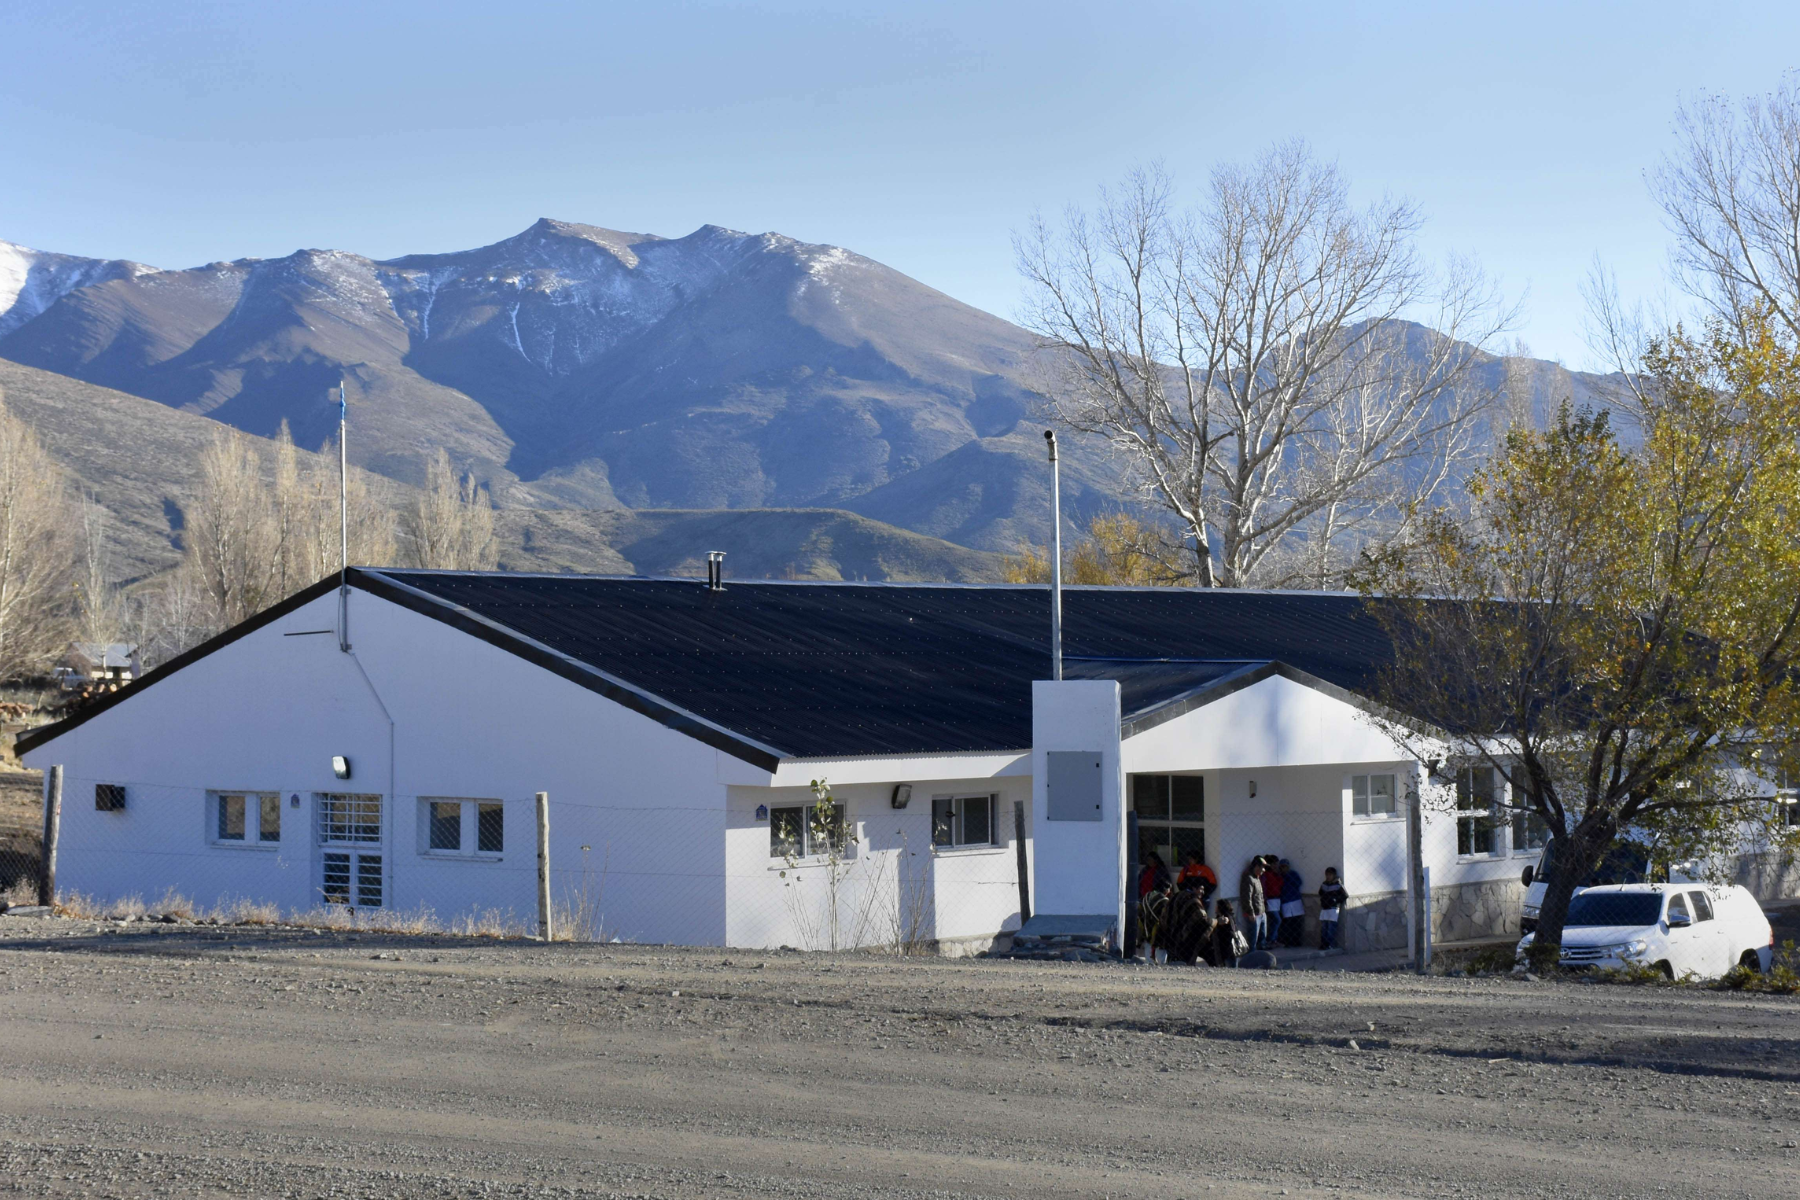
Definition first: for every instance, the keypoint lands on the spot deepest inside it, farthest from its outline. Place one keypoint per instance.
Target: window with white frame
(462, 827)
(244, 818)
(1786, 800)
(807, 830)
(1372, 796)
(1479, 797)
(350, 858)
(963, 821)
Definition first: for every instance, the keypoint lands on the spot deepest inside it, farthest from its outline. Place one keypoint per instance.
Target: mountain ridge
(571, 366)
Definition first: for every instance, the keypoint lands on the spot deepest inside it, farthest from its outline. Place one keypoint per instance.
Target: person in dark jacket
(1224, 932)
(1332, 898)
(1293, 905)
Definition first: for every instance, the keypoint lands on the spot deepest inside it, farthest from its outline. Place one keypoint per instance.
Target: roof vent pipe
(1055, 560)
(715, 570)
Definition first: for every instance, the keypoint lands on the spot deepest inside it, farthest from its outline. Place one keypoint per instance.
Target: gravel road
(193, 1061)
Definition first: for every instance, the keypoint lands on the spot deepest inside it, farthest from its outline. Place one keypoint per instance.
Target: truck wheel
(1668, 972)
(1751, 960)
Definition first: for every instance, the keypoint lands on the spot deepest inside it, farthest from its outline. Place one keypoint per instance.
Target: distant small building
(87, 663)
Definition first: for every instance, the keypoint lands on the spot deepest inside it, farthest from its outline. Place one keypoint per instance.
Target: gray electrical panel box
(1072, 785)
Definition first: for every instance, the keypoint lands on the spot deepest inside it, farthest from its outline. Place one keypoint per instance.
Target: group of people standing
(1271, 909)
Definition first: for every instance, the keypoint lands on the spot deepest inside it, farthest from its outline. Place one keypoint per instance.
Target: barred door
(350, 859)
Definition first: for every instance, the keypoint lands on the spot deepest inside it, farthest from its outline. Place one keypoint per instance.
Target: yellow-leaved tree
(1613, 625)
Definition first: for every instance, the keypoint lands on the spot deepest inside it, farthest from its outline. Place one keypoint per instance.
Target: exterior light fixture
(902, 794)
(762, 812)
(340, 766)
(1253, 789)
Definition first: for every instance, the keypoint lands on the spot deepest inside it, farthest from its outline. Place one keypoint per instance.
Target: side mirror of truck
(1528, 876)
(1677, 921)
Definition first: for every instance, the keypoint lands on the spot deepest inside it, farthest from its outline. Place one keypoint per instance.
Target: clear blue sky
(919, 133)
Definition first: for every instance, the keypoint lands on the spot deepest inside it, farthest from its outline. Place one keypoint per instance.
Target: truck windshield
(1615, 908)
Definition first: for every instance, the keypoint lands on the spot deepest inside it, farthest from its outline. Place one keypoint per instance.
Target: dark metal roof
(817, 670)
(822, 670)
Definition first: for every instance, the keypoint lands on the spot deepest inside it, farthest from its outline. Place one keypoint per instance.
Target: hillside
(140, 460)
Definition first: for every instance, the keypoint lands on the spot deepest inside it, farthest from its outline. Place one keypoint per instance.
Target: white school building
(676, 728)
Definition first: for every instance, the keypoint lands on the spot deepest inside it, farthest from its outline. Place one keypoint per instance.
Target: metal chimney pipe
(1055, 559)
(715, 570)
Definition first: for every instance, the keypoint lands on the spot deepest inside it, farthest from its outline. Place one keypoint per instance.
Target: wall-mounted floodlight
(902, 795)
(340, 766)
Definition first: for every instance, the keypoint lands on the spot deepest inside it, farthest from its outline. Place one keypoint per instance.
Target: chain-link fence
(1309, 860)
(21, 835)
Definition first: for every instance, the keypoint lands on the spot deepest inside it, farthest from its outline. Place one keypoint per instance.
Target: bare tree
(37, 551)
(306, 510)
(167, 617)
(99, 609)
(232, 536)
(451, 523)
(1254, 360)
(1731, 193)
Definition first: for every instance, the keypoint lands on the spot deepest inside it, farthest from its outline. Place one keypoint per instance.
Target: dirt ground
(174, 1060)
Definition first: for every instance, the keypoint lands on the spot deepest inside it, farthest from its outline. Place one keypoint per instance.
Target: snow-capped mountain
(581, 367)
(32, 280)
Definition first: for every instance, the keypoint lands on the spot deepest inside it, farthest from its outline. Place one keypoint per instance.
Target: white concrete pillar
(1077, 801)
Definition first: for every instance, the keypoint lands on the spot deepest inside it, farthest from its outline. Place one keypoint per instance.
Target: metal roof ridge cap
(902, 754)
(633, 688)
(1229, 679)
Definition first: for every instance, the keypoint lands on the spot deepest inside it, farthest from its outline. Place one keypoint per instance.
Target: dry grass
(21, 804)
(490, 923)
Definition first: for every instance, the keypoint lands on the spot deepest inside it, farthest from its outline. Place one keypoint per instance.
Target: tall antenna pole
(343, 520)
(1055, 559)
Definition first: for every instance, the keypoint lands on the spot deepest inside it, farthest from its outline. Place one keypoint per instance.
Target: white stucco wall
(469, 720)
(894, 885)
(1078, 867)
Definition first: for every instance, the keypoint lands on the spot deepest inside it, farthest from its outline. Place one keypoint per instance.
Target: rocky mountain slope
(578, 367)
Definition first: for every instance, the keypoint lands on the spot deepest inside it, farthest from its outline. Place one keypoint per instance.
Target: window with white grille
(350, 859)
(345, 818)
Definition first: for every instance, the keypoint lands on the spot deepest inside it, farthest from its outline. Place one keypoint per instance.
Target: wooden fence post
(53, 789)
(545, 929)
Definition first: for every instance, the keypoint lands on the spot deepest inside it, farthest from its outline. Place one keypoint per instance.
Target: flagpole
(343, 520)
(1056, 655)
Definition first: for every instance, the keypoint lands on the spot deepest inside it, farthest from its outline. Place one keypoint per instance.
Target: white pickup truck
(1678, 928)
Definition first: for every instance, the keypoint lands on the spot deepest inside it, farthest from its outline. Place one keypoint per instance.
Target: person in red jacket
(1154, 877)
(1271, 881)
